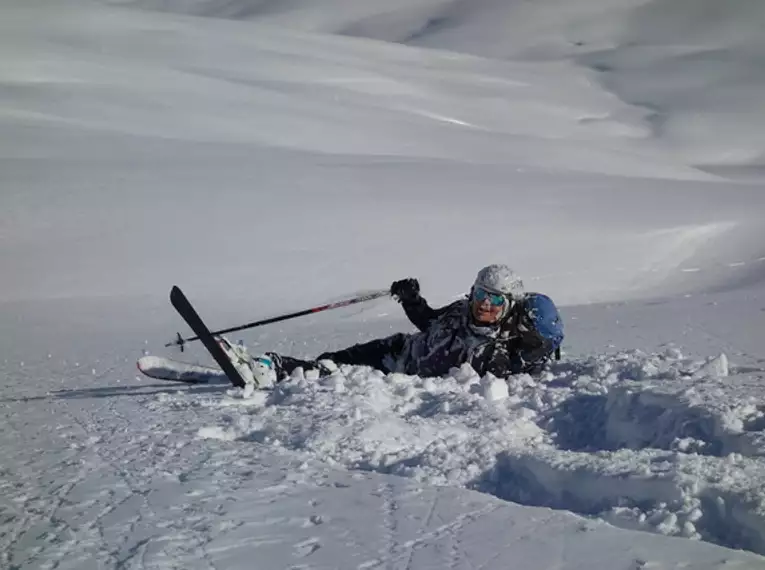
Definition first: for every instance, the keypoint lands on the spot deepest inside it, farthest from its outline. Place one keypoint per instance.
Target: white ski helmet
(500, 279)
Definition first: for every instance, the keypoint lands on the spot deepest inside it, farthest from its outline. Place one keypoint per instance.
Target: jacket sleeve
(517, 356)
(533, 341)
(502, 363)
(420, 313)
(532, 354)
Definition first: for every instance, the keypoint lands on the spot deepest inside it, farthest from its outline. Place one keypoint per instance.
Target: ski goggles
(495, 299)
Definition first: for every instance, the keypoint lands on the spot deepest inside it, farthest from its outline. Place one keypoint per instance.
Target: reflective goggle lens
(495, 299)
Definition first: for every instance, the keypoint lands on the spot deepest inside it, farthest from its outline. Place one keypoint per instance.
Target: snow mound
(644, 441)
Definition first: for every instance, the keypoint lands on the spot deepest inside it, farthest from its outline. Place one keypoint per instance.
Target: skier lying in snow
(497, 328)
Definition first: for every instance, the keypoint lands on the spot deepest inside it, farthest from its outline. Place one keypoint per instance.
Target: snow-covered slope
(362, 470)
(264, 165)
(691, 67)
(295, 129)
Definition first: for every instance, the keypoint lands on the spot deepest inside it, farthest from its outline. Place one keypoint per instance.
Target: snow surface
(267, 156)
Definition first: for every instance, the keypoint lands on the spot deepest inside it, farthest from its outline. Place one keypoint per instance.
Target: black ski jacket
(447, 338)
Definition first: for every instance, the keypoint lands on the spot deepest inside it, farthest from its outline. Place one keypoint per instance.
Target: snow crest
(644, 441)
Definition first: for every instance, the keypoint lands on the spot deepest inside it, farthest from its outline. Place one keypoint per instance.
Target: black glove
(405, 289)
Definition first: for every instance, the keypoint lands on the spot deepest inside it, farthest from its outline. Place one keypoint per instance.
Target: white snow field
(269, 156)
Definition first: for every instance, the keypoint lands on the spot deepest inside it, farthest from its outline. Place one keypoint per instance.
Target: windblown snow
(270, 156)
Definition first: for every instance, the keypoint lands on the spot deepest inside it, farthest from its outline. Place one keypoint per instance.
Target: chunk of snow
(494, 389)
(715, 367)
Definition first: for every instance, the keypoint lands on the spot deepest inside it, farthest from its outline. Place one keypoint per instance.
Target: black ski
(192, 318)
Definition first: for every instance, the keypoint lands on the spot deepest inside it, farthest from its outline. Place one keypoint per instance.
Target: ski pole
(180, 341)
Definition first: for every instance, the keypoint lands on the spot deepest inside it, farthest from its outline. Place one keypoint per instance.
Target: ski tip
(176, 295)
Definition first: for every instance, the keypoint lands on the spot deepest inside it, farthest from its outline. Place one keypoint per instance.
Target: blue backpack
(543, 323)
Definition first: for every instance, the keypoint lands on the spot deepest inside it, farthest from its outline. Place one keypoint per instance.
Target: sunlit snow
(269, 156)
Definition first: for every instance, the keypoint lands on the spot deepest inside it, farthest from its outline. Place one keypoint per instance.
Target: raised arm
(407, 292)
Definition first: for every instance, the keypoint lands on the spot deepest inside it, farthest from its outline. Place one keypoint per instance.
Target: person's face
(487, 307)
